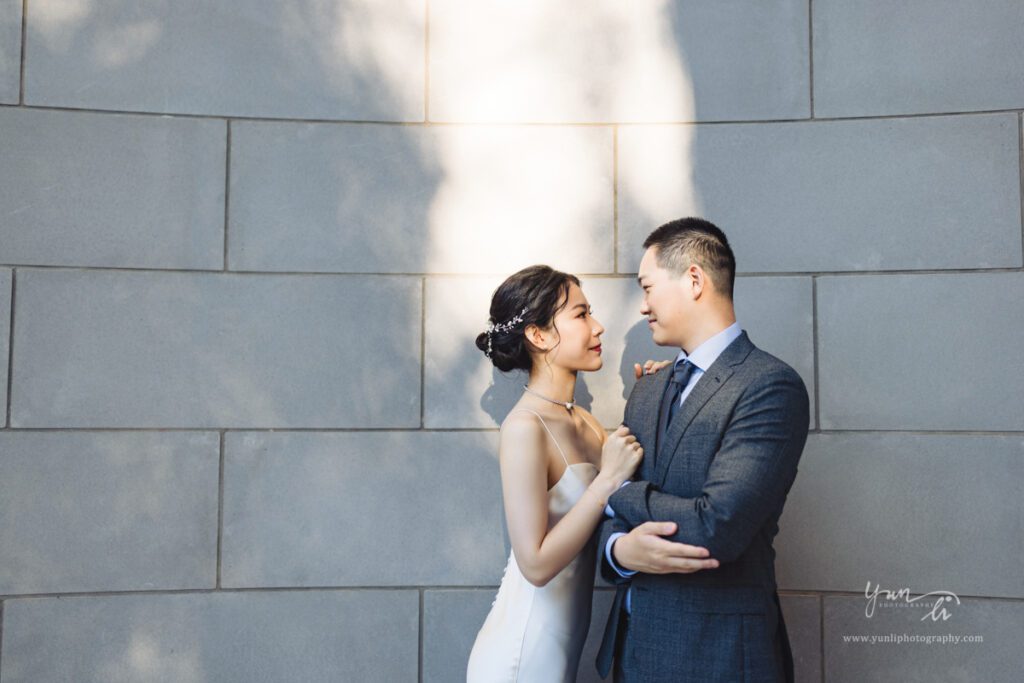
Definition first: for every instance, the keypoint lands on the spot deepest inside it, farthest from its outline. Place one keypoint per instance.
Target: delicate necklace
(568, 406)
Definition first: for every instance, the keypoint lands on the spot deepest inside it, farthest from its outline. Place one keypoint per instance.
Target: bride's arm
(541, 554)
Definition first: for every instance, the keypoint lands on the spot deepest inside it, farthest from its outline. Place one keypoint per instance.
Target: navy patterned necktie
(681, 372)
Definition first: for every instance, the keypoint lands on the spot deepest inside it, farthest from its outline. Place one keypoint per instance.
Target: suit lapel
(647, 431)
(709, 383)
(706, 387)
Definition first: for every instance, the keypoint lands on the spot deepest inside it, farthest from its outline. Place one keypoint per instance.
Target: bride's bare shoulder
(521, 443)
(520, 424)
(518, 417)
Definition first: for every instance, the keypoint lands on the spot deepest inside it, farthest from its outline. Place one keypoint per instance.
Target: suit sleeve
(748, 478)
(617, 524)
(609, 526)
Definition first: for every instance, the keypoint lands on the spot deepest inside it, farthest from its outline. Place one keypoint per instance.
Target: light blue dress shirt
(701, 358)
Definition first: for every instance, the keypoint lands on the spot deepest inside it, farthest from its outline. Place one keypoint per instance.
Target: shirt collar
(708, 352)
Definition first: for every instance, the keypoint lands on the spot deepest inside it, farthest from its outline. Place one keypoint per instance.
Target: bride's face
(580, 334)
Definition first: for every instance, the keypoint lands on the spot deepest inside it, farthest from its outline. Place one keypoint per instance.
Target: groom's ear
(696, 280)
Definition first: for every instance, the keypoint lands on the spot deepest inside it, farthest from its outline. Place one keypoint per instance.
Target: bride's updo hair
(542, 291)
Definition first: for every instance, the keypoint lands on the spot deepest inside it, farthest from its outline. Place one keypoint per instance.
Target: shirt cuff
(624, 573)
(608, 511)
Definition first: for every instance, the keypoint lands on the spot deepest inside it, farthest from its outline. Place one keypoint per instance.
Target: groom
(689, 540)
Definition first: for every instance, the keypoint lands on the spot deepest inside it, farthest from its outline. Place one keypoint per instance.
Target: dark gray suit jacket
(723, 473)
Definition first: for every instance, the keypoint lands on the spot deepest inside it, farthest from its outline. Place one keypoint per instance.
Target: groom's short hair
(686, 241)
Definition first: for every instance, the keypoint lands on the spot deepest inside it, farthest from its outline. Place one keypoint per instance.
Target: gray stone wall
(245, 248)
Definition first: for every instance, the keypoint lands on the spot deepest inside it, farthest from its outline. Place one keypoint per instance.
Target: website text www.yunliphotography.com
(904, 638)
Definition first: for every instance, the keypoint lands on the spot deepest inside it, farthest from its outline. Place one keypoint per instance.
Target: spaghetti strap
(549, 433)
(599, 436)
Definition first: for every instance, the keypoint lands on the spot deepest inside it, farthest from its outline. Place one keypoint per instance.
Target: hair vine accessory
(503, 327)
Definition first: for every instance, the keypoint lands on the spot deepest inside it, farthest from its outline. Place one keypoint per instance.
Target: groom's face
(665, 301)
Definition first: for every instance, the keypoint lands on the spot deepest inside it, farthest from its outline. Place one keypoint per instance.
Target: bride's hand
(650, 367)
(620, 456)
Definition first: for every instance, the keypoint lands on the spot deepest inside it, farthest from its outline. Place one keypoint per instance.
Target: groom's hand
(643, 549)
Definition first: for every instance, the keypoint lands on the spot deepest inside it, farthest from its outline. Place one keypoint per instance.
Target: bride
(558, 468)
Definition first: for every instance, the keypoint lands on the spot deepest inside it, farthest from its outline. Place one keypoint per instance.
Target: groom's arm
(616, 526)
(748, 479)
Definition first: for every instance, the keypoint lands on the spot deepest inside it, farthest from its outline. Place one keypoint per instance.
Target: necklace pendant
(568, 406)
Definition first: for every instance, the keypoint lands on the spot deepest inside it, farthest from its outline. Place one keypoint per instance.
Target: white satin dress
(536, 635)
